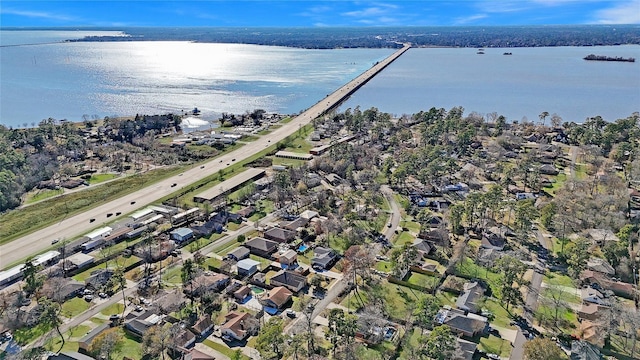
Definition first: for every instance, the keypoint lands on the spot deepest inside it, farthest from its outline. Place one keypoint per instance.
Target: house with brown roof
(261, 247)
(590, 311)
(491, 240)
(206, 283)
(280, 235)
(238, 325)
(288, 257)
(242, 293)
(203, 327)
(277, 297)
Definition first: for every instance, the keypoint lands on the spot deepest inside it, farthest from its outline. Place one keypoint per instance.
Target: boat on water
(480, 52)
(507, 53)
(593, 57)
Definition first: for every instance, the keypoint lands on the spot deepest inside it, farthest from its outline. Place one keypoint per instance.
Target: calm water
(68, 80)
(525, 84)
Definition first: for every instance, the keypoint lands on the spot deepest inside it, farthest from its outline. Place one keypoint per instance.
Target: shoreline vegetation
(381, 37)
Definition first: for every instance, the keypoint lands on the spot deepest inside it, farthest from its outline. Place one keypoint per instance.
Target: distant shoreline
(377, 37)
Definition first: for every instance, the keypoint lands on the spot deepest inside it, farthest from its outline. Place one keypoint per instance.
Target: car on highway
(54, 241)
(202, 167)
(174, 185)
(133, 202)
(92, 220)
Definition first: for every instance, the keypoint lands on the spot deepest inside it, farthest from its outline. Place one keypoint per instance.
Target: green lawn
(264, 263)
(403, 238)
(223, 349)
(26, 335)
(567, 319)
(74, 307)
(113, 309)
(98, 178)
(383, 266)
(500, 315)
(468, 268)
(495, 345)
(212, 261)
(76, 333)
(414, 342)
(38, 195)
(558, 279)
(173, 275)
(423, 280)
(224, 249)
(446, 298)
(561, 178)
(396, 298)
(412, 226)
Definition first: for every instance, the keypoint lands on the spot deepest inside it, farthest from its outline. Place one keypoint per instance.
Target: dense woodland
(377, 37)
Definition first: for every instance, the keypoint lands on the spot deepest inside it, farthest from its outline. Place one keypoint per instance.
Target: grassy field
(47, 212)
(28, 334)
(173, 275)
(38, 195)
(98, 178)
(223, 349)
(396, 298)
(412, 226)
(74, 307)
(495, 345)
(423, 280)
(500, 315)
(558, 279)
(403, 238)
(113, 309)
(470, 269)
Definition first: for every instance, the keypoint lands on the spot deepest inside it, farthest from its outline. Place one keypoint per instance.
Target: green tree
(270, 341)
(426, 311)
(440, 344)
(33, 281)
(508, 286)
(547, 213)
(105, 345)
(456, 212)
(187, 274)
(51, 316)
(543, 349)
(526, 213)
(578, 254)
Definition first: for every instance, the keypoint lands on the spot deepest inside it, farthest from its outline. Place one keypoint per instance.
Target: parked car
(88, 297)
(138, 308)
(103, 295)
(290, 313)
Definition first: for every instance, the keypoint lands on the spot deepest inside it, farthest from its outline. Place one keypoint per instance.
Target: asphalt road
(80, 224)
(395, 212)
(531, 302)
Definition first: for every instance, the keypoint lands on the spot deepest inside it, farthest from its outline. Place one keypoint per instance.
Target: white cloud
(37, 14)
(627, 12)
(469, 19)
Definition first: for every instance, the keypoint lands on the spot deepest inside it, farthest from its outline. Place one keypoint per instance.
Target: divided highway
(80, 224)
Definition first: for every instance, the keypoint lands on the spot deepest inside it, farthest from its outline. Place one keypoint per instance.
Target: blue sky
(316, 13)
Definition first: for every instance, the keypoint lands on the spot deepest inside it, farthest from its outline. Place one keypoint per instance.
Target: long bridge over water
(79, 224)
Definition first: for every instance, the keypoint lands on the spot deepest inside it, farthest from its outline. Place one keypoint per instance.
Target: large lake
(69, 80)
(524, 84)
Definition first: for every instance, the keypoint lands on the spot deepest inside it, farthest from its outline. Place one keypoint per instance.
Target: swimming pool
(257, 290)
(302, 248)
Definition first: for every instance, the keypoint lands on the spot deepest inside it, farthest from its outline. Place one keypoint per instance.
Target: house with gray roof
(280, 235)
(290, 280)
(462, 323)
(470, 298)
(238, 253)
(323, 258)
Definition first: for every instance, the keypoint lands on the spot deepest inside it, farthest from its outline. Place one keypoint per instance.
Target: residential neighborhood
(436, 235)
